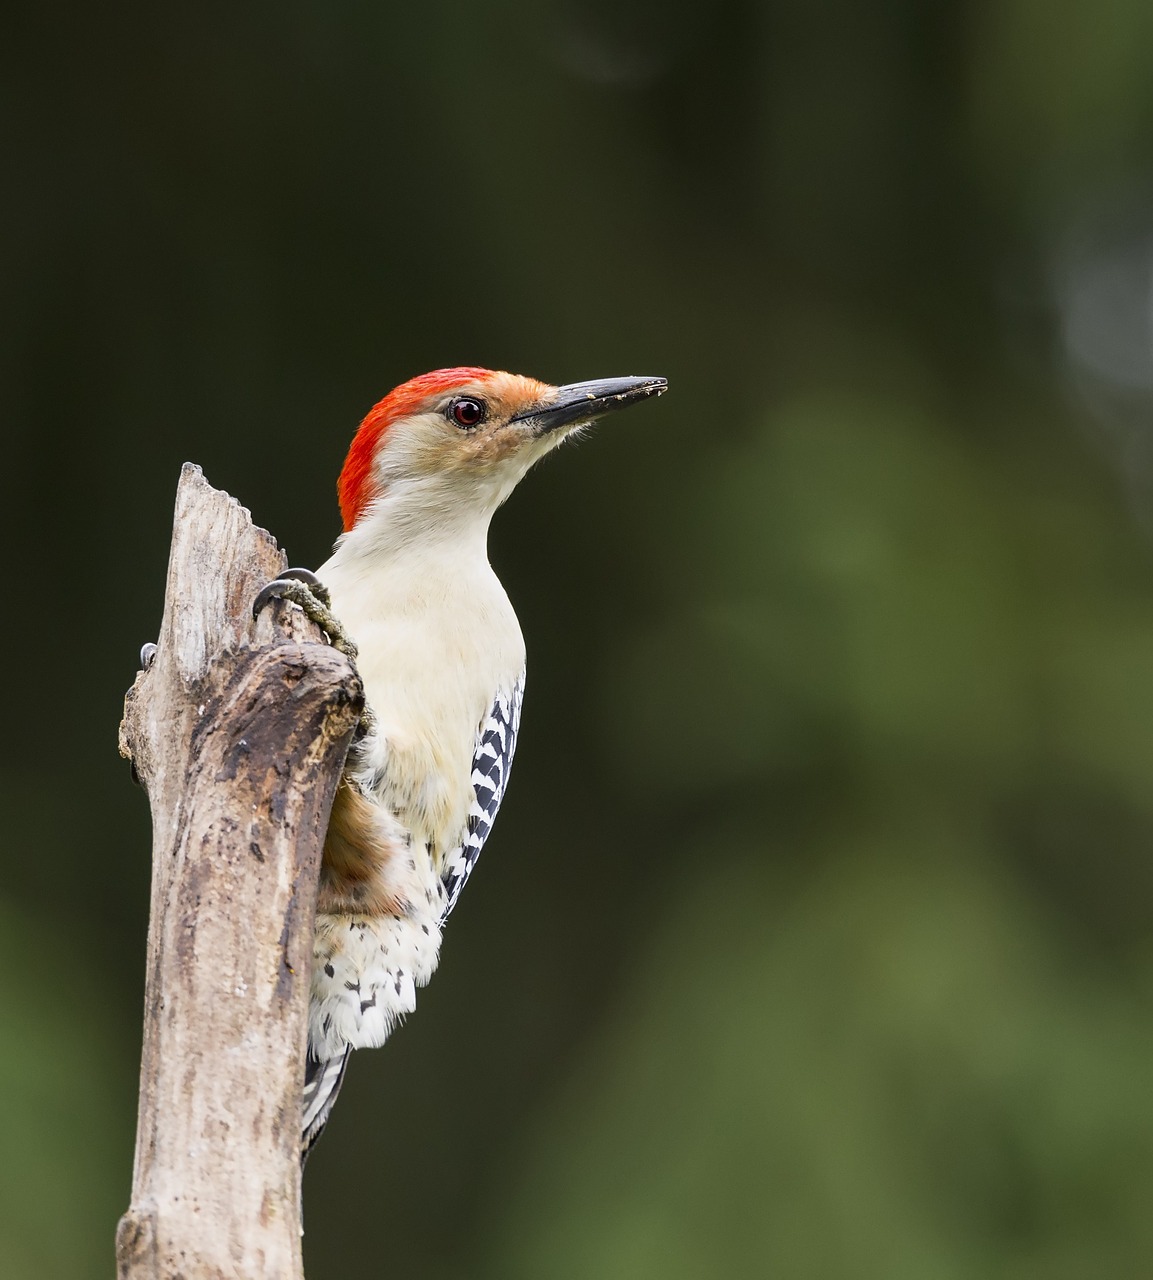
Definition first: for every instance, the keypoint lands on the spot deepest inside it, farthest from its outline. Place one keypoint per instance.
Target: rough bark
(238, 731)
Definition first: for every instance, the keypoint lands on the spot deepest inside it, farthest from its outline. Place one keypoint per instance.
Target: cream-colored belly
(433, 654)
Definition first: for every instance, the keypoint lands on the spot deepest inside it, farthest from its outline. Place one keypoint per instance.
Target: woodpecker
(409, 591)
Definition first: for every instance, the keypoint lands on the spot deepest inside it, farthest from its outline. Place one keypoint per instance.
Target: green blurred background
(813, 940)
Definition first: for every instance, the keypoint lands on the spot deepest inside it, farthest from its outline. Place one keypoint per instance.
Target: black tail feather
(322, 1080)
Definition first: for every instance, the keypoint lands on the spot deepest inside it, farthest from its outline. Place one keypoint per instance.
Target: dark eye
(466, 412)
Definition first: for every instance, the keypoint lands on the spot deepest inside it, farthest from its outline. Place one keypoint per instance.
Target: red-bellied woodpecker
(441, 656)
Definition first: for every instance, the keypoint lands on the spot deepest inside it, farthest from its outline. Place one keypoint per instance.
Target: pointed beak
(584, 401)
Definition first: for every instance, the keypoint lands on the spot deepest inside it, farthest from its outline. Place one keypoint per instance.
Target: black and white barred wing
(491, 763)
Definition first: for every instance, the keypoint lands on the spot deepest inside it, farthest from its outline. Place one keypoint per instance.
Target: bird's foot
(303, 588)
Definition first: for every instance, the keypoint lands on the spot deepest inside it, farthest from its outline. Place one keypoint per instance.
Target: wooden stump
(238, 731)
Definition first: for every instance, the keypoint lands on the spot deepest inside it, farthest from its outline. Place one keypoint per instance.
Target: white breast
(437, 638)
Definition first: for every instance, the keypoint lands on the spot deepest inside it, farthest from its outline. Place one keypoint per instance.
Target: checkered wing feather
(491, 763)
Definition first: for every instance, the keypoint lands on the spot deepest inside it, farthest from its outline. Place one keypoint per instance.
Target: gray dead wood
(238, 732)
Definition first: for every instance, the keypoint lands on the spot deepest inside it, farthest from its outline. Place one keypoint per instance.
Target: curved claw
(319, 590)
(147, 655)
(314, 603)
(281, 588)
(273, 590)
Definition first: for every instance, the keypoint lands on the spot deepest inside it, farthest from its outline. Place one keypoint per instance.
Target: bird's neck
(401, 551)
(411, 526)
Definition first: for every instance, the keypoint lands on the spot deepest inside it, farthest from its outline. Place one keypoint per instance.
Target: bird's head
(458, 440)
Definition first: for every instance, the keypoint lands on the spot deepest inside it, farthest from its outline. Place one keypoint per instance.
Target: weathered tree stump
(238, 732)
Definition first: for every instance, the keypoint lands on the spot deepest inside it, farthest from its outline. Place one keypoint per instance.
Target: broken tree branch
(238, 731)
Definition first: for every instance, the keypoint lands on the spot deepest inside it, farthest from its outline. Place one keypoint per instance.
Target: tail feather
(322, 1080)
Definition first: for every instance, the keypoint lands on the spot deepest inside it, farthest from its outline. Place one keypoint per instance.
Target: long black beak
(583, 401)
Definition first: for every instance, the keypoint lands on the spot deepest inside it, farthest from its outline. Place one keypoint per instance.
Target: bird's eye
(466, 412)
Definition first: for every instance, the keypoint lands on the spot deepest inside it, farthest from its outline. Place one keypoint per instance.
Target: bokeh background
(814, 938)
